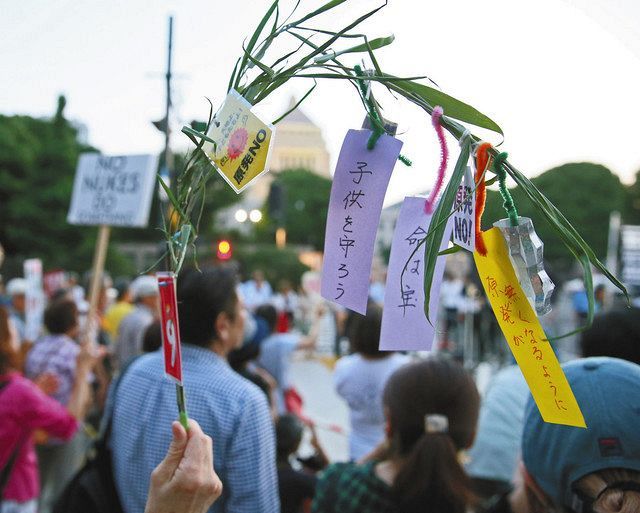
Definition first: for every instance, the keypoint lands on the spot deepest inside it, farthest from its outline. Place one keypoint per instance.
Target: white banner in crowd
(34, 299)
(113, 191)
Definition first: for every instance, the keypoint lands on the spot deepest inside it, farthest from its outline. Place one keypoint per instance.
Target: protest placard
(110, 191)
(358, 190)
(113, 190)
(34, 299)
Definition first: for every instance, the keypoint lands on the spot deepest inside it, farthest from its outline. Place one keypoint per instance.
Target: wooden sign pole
(97, 270)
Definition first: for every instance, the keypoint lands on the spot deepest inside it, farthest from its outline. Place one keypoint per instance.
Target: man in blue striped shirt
(230, 409)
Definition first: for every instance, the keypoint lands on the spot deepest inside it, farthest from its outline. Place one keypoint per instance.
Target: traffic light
(277, 202)
(224, 250)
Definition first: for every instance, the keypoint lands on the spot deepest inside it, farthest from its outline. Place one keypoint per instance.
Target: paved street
(314, 381)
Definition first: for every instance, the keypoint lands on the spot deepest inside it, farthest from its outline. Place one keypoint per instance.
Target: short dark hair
(615, 333)
(121, 285)
(152, 338)
(202, 296)
(364, 332)
(269, 314)
(60, 316)
(289, 431)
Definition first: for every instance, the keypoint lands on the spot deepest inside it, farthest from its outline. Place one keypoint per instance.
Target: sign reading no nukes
(113, 191)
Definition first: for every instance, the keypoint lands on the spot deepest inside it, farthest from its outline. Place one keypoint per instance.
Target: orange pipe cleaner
(482, 161)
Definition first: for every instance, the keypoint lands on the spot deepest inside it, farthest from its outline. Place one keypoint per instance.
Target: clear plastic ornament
(526, 254)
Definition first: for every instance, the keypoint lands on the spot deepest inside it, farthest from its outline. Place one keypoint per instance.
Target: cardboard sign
(243, 142)
(170, 326)
(358, 189)
(464, 219)
(525, 336)
(113, 191)
(34, 299)
(404, 324)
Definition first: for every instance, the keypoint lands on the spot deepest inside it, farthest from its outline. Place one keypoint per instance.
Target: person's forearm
(80, 394)
(310, 341)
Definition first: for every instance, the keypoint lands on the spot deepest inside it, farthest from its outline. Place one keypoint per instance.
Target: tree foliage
(631, 214)
(37, 165)
(306, 205)
(585, 192)
(38, 159)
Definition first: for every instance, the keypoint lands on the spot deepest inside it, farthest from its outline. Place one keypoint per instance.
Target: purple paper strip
(358, 190)
(404, 324)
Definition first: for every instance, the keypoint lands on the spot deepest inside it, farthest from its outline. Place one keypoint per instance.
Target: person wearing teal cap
(579, 470)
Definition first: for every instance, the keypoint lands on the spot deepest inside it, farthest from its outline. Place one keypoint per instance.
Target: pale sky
(562, 77)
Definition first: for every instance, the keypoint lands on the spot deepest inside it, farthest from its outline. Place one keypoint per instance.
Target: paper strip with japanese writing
(404, 324)
(243, 142)
(358, 190)
(525, 336)
(464, 220)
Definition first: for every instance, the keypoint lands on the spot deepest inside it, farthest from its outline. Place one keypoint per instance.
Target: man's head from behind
(615, 333)
(209, 309)
(581, 469)
(144, 290)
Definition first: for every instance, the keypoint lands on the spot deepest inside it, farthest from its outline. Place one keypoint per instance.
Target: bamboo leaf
(326, 7)
(233, 75)
(253, 41)
(450, 251)
(453, 107)
(571, 238)
(374, 44)
(321, 49)
(439, 222)
(191, 132)
(172, 198)
(297, 104)
(266, 69)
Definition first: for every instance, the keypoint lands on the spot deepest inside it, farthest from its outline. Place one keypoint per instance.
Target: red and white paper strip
(170, 325)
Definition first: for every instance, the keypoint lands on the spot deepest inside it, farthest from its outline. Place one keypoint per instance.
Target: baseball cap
(144, 286)
(556, 456)
(16, 287)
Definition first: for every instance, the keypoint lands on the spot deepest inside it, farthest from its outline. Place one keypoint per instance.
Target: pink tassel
(444, 157)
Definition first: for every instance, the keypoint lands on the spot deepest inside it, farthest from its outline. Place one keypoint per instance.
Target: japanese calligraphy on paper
(404, 324)
(463, 213)
(358, 189)
(243, 142)
(525, 336)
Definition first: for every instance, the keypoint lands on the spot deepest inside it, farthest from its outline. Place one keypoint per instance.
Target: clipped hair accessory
(436, 423)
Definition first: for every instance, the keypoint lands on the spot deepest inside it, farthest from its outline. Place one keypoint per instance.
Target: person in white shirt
(256, 292)
(360, 379)
(277, 348)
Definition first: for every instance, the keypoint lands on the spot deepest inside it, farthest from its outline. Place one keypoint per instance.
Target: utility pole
(166, 171)
(168, 161)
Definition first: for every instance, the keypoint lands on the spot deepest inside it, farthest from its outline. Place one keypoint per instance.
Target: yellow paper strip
(243, 142)
(525, 336)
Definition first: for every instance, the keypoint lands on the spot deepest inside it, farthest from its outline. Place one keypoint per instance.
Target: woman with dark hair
(296, 487)
(360, 379)
(25, 408)
(431, 410)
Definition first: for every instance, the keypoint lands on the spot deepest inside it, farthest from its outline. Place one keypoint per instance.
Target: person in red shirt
(25, 408)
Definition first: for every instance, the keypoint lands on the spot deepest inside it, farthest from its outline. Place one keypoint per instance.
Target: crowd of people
(421, 438)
